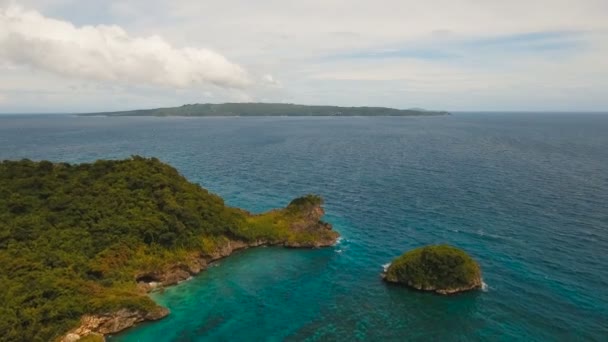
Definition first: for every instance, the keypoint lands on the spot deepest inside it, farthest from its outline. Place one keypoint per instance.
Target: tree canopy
(435, 267)
(74, 237)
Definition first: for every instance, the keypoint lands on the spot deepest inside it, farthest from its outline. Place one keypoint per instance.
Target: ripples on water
(526, 195)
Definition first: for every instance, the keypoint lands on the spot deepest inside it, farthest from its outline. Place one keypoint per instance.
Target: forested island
(269, 109)
(442, 269)
(82, 245)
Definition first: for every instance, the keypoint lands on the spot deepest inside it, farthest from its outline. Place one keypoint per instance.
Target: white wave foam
(484, 286)
(386, 266)
(187, 279)
(338, 241)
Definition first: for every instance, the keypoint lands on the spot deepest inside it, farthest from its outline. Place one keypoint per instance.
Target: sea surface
(525, 194)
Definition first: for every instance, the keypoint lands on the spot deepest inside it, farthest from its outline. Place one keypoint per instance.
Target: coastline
(100, 325)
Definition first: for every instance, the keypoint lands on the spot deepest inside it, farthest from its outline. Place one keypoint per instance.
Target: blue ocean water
(525, 194)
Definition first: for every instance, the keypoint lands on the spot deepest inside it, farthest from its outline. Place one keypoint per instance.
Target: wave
(187, 279)
(386, 266)
(484, 286)
(338, 241)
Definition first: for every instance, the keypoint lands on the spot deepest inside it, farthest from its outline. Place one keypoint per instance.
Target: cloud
(271, 81)
(108, 53)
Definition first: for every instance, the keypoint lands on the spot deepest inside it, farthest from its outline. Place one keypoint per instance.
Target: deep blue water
(525, 194)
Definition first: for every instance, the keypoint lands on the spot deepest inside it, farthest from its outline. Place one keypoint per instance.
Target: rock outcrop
(179, 272)
(110, 323)
(310, 211)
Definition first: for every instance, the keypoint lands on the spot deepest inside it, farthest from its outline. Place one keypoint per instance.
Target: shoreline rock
(110, 323)
(446, 291)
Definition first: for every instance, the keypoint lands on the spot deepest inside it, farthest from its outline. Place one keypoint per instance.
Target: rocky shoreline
(478, 284)
(100, 325)
(104, 324)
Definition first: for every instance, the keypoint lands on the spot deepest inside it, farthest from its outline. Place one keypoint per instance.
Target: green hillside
(74, 238)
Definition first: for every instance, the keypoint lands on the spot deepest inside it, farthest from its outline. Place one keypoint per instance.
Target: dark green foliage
(56, 218)
(73, 238)
(140, 200)
(271, 109)
(309, 200)
(435, 267)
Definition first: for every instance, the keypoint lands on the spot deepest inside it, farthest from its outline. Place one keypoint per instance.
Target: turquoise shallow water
(526, 195)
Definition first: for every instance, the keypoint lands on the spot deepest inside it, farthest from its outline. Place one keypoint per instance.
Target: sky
(456, 55)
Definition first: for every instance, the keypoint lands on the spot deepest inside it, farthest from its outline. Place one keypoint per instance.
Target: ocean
(525, 194)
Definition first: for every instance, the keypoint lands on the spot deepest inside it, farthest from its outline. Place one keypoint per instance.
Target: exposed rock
(114, 322)
(175, 275)
(231, 246)
(311, 223)
(71, 337)
(477, 284)
(156, 314)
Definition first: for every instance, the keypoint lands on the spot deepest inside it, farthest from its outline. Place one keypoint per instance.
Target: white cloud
(271, 81)
(108, 53)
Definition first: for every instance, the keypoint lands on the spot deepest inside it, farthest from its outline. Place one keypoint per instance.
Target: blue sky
(458, 55)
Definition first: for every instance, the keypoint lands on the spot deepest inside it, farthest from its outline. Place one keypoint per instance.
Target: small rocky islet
(442, 269)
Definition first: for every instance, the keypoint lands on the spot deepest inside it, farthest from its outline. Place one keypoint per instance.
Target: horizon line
(477, 111)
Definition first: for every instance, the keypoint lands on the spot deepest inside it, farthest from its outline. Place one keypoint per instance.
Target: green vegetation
(73, 238)
(270, 109)
(305, 202)
(440, 268)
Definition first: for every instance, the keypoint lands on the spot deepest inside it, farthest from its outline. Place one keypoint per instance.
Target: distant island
(81, 245)
(442, 269)
(269, 109)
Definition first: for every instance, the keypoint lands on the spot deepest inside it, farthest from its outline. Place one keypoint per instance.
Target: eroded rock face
(325, 236)
(230, 247)
(153, 280)
(114, 322)
(315, 213)
(475, 284)
(71, 338)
